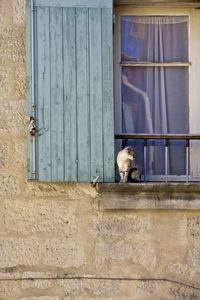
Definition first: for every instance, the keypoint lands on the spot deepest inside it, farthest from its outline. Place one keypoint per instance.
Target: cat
(128, 169)
(125, 158)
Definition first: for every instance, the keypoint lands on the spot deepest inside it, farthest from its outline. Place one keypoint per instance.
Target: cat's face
(130, 151)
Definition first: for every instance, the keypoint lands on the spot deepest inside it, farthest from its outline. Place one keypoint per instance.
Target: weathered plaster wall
(55, 241)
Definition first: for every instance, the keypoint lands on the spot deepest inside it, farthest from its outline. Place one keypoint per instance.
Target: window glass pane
(155, 39)
(155, 100)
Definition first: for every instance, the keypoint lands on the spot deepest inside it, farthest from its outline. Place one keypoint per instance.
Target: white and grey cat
(128, 169)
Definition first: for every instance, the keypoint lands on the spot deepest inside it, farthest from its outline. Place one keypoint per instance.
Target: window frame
(193, 72)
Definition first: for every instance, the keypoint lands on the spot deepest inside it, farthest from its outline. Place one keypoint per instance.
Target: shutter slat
(95, 79)
(70, 119)
(57, 132)
(83, 118)
(108, 114)
(43, 83)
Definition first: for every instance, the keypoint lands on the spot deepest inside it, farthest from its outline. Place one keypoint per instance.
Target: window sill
(149, 195)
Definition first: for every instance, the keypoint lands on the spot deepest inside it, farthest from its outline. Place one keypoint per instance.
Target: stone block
(20, 83)
(97, 288)
(142, 255)
(95, 298)
(9, 185)
(9, 290)
(193, 258)
(41, 298)
(118, 225)
(128, 289)
(49, 217)
(21, 254)
(19, 158)
(148, 288)
(1, 9)
(18, 12)
(4, 154)
(193, 227)
(6, 82)
(5, 14)
(179, 270)
(12, 46)
(36, 284)
(184, 293)
(100, 289)
(13, 117)
(15, 252)
(64, 252)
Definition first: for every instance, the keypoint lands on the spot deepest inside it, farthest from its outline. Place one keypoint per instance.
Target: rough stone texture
(4, 154)
(9, 185)
(39, 217)
(19, 154)
(193, 227)
(100, 290)
(20, 83)
(6, 77)
(18, 11)
(12, 48)
(64, 190)
(118, 226)
(13, 117)
(41, 298)
(5, 14)
(55, 240)
(40, 252)
(121, 252)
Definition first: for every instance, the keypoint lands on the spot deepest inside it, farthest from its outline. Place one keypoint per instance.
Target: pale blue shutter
(70, 70)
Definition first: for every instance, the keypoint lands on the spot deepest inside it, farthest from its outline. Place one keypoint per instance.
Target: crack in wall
(104, 278)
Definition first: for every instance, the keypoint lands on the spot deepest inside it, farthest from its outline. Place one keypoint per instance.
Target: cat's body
(128, 169)
(134, 174)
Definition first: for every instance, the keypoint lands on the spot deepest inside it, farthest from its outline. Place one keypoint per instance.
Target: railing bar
(187, 160)
(166, 160)
(145, 160)
(154, 64)
(157, 136)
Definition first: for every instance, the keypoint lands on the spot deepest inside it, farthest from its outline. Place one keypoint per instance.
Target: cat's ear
(131, 150)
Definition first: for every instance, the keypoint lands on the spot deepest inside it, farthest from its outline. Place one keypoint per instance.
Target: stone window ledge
(149, 195)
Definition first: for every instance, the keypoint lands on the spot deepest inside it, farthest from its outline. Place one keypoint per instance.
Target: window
(154, 87)
(70, 88)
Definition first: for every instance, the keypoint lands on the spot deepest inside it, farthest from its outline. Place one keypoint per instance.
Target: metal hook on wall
(32, 126)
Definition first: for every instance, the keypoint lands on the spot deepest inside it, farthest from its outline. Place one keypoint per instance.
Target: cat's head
(130, 151)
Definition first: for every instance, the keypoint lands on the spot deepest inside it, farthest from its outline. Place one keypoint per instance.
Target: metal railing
(166, 137)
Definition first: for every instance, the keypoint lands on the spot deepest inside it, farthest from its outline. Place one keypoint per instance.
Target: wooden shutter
(70, 75)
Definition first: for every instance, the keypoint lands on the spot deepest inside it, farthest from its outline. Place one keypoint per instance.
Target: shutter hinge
(32, 126)
(114, 18)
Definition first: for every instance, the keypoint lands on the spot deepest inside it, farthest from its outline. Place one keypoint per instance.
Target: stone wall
(56, 242)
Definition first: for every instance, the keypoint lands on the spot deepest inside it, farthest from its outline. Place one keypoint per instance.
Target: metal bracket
(114, 18)
(32, 126)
